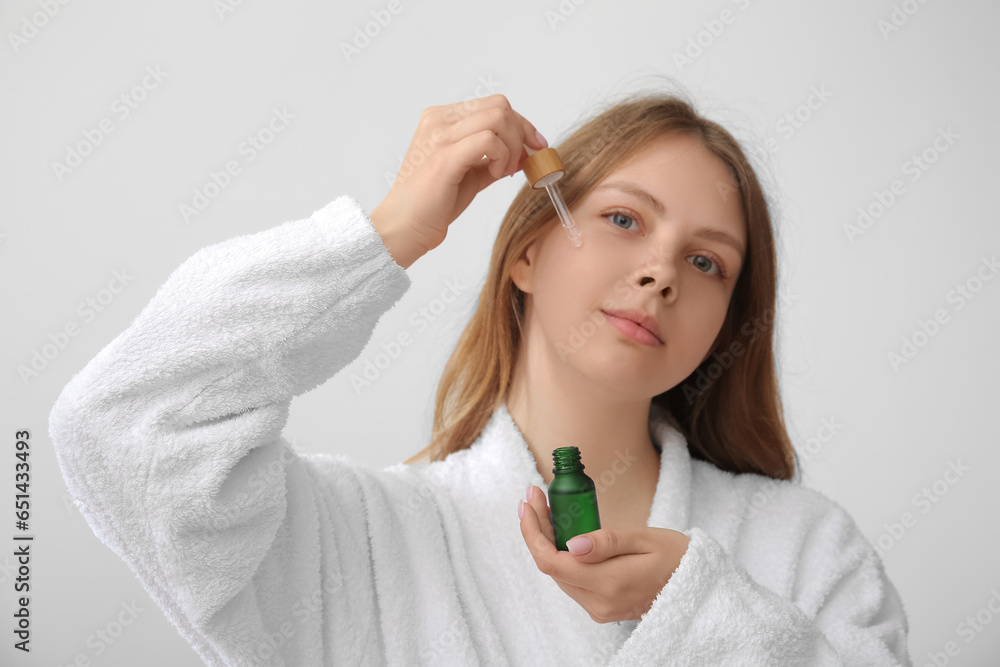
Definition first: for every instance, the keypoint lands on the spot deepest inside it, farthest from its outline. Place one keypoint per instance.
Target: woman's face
(640, 257)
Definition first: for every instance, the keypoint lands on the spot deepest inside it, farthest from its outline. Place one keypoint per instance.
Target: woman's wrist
(399, 244)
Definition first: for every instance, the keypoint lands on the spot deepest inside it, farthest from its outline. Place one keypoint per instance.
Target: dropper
(542, 169)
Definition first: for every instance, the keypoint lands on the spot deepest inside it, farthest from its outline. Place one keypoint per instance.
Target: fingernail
(580, 544)
(541, 139)
(520, 509)
(527, 495)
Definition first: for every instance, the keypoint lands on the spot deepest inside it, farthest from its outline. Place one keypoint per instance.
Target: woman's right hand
(457, 150)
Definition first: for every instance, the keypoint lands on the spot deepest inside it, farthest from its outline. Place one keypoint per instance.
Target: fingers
(494, 114)
(542, 549)
(493, 124)
(560, 565)
(538, 500)
(472, 149)
(530, 133)
(609, 543)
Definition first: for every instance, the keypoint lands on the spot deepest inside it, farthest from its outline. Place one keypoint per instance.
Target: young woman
(649, 347)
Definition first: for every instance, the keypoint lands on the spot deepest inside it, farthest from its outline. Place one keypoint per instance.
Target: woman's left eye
(719, 273)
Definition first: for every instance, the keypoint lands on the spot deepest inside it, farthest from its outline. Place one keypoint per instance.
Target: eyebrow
(711, 233)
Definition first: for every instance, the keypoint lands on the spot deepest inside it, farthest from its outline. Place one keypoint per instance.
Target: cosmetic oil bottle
(572, 497)
(542, 169)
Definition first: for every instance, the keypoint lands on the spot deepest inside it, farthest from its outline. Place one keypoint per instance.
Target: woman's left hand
(619, 577)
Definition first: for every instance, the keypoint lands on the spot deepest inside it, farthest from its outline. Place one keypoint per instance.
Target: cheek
(704, 318)
(712, 309)
(556, 301)
(566, 289)
(560, 264)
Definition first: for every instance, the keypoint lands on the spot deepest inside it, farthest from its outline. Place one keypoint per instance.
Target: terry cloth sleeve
(170, 442)
(844, 611)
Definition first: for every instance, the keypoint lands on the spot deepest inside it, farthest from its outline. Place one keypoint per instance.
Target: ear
(523, 271)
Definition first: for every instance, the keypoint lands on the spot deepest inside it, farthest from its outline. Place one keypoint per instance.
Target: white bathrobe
(170, 441)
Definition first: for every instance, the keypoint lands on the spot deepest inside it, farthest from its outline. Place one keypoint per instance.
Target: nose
(656, 272)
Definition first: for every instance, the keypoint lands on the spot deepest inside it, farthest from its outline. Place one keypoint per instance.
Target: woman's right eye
(618, 213)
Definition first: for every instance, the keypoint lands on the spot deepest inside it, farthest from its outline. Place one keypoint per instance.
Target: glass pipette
(543, 169)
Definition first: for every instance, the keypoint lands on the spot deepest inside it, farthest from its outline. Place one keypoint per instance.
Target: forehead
(684, 178)
(676, 155)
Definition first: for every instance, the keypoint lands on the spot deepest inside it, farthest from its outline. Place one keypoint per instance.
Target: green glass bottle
(572, 497)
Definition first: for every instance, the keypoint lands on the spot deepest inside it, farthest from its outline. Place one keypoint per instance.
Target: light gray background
(848, 304)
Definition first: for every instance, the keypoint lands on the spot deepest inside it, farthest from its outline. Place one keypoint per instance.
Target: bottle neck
(566, 459)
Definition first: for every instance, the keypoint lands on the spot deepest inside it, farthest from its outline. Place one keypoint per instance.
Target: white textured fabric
(170, 441)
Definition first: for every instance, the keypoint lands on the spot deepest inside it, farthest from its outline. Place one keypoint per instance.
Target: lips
(645, 321)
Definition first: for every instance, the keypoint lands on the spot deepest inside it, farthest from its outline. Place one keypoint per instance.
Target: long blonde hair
(729, 409)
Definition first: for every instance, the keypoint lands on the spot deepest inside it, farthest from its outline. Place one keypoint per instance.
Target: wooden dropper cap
(543, 167)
